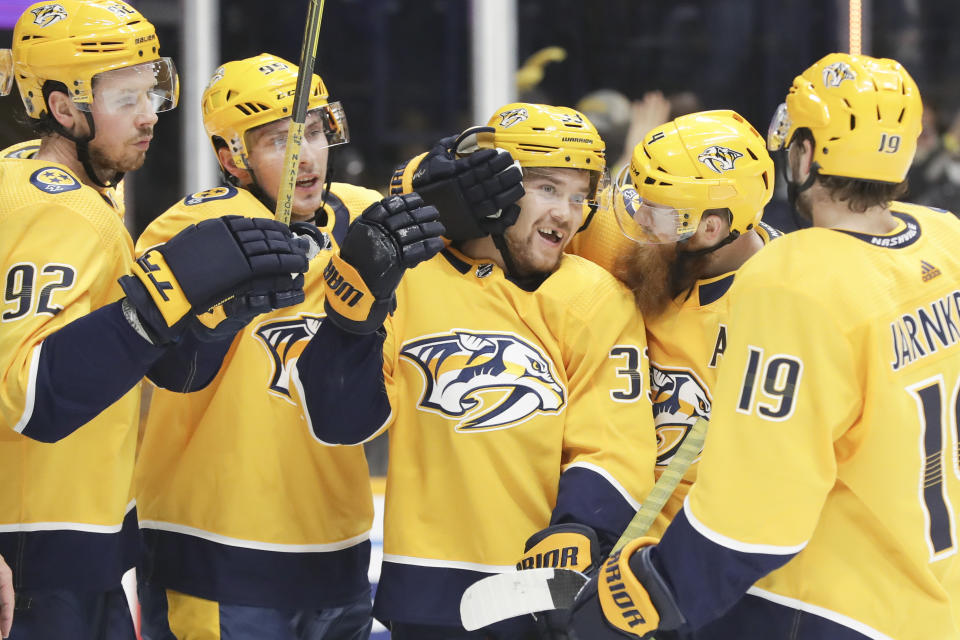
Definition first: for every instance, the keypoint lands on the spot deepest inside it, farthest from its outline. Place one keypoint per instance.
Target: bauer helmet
(697, 162)
(864, 113)
(76, 42)
(245, 94)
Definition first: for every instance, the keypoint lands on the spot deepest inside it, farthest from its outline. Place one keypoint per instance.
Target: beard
(658, 273)
(527, 264)
(106, 163)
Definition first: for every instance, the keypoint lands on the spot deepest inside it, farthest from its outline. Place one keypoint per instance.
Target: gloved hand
(474, 192)
(561, 546)
(628, 598)
(388, 238)
(257, 261)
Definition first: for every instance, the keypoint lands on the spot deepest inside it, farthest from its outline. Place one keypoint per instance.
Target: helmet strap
(794, 188)
(527, 283)
(83, 151)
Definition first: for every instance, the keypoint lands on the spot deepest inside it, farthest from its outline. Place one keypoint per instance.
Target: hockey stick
(506, 595)
(301, 98)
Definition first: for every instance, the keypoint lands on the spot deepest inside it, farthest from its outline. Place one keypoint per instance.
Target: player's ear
(63, 110)
(714, 226)
(228, 164)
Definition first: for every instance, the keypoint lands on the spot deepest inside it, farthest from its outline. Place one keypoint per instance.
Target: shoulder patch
(53, 180)
(207, 195)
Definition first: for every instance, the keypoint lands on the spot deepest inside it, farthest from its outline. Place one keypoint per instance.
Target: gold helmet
(539, 135)
(75, 42)
(700, 161)
(864, 113)
(245, 94)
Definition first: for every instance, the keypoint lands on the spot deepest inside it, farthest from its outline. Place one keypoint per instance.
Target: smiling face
(266, 147)
(551, 211)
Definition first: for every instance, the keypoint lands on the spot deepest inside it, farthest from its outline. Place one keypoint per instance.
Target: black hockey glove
(560, 546)
(474, 193)
(388, 238)
(255, 261)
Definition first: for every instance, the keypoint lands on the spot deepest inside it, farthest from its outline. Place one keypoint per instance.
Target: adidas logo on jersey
(928, 271)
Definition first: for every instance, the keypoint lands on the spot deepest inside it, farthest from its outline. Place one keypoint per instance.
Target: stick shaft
(291, 159)
(663, 488)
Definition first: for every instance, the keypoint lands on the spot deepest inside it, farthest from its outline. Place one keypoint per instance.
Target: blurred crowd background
(401, 68)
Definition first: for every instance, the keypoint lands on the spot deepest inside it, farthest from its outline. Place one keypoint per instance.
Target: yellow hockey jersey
(686, 344)
(510, 408)
(66, 512)
(238, 501)
(833, 442)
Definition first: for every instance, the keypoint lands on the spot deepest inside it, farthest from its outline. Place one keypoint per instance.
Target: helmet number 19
(889, 143)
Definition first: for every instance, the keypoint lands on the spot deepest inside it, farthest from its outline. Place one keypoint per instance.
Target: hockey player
(74, 344)
(684, 216)
(253, 529)
(510, 374)
(829, 478)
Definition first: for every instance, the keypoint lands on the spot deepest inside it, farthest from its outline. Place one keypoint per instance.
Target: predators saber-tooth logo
(48, 14)
(719, 159)
(487, 380)
(512, 117)
(679, 399)
(285, 339)
(834, 74)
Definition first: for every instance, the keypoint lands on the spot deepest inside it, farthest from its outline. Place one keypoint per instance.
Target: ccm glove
(560, 546)
(388, 238)
(474, 192)
(628, 598)
(257, 261)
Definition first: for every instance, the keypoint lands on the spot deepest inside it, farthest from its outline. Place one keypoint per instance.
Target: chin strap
(83, 152)
(794, 189)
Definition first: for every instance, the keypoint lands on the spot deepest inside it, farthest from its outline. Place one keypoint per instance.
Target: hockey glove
(256, 260)
(628, 598)
(474, 192)
(388, 238)
(560, 546)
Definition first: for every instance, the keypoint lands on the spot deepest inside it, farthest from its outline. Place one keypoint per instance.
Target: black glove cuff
(379, 311)
(151, 320)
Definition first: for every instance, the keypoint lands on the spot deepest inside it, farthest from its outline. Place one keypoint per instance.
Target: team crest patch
(217, 193)
(834, 74)
(48, 14)
(512, 117)
(679, 399)
(285, 339)
(53, 180)
(485, 380)
(719, 159)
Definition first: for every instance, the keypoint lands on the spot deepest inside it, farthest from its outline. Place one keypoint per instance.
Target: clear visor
(646, 222)
(324, 126)
(145, 88)
(6, 71)
(578, 204)
(779, 126)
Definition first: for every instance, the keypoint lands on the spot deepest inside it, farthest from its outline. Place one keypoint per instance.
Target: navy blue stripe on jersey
(340, 375)
(341, 217)
(707, 578)
(455, 262)
(899, 240)
(191, 364)
(422, 595)
(757, 618)
(69, 559)
(254, 577)
(586, 497)
(713, 291)
(83, 368)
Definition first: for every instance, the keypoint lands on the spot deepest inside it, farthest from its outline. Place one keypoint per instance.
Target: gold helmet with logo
(75, 42)
(864, 113)
(697, 162)
(245, 94)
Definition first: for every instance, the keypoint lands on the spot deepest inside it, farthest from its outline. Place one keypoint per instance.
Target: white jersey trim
(255, 544)
(27, 527)
(737, 545)
(833, 616)
(635, 504)
(31, 391)
(448, 564)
